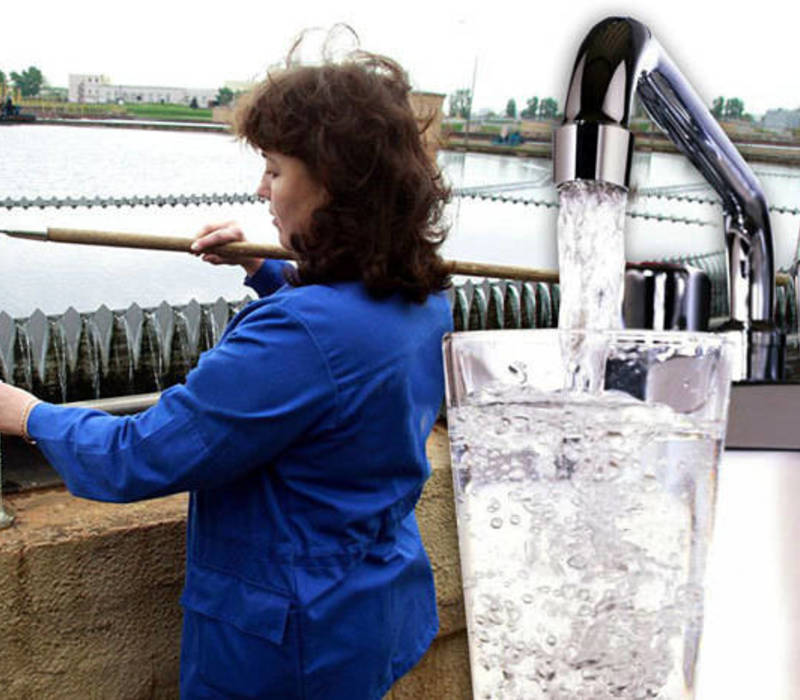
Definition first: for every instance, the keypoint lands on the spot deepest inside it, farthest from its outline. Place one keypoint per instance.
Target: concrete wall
(89, 596)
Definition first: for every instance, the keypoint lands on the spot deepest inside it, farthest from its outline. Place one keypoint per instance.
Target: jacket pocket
(243, 637)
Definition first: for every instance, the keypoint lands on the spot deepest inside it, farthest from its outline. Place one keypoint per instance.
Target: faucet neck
(619, 59)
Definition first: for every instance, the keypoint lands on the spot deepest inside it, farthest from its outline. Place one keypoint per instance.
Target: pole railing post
(6, 516)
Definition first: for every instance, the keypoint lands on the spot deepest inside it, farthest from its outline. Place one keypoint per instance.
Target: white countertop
(751, 641)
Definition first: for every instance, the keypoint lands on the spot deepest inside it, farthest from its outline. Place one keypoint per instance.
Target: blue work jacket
(301, 437)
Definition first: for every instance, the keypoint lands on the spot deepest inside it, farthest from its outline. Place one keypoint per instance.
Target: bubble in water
(503, 427)
(521, 424)
(518, 371)
(496, 523)
(545, 670)
(513, 613)
(517, 473)
(576, 561)
(531, 552)
(514, 519)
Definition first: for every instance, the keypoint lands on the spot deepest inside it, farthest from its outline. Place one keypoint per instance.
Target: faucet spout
(618, 59)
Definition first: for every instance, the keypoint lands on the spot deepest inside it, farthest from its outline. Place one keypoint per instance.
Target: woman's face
(294, 195)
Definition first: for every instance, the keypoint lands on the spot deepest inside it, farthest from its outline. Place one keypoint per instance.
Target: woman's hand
(213, 235)
(15, 405)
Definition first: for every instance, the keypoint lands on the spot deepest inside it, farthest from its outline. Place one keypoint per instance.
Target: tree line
(28, 82)
(547, 108)
(460, 102)
(31, 80)
(730, 108)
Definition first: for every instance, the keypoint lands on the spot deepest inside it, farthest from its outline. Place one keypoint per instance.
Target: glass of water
(584, 514)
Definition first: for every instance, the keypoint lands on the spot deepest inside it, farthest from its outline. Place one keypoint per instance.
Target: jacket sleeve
(268, 278)
(264, 386)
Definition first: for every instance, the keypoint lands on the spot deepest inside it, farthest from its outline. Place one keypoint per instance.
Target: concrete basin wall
(89, 596)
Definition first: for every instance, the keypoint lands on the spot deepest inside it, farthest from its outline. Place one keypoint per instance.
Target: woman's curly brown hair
(351, 123)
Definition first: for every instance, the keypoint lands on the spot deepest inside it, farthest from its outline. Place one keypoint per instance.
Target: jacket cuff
(268, 278)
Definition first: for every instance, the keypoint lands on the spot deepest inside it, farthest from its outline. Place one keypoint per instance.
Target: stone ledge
(89, 595)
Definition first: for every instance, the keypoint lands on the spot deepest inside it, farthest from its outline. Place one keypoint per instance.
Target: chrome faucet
(620, 57)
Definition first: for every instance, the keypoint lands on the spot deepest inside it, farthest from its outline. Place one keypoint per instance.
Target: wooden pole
(262, 250)
(174, 243)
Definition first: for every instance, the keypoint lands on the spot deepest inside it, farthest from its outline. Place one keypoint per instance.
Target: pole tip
(38, 235)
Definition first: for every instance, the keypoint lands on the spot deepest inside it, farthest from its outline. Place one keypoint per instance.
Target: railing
(493, 193)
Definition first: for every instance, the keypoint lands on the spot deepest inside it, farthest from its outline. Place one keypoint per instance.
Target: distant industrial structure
(98, 89)
(781, 119)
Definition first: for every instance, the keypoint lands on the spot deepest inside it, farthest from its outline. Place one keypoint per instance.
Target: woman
(301, 435)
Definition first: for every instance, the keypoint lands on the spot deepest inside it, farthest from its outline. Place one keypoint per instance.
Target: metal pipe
(619, 58)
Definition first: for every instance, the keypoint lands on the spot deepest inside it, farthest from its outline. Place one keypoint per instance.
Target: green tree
(511, 108)
(734, 108)
(531, 110)
(461, 103)
(718, 107)
(224, 96)
(3, 82)
(548, 109)
(29, 81)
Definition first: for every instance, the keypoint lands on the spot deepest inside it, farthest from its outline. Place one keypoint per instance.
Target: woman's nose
(263, 187)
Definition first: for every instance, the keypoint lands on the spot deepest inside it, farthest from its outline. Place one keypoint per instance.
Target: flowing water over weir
(103, 353)
(108, 353)
(78, 356)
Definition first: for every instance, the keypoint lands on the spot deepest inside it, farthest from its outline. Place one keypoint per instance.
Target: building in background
(781, 119)
(98, 89)
(427, 108)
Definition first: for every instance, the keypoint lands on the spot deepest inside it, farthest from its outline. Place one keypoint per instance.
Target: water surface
(63, 161)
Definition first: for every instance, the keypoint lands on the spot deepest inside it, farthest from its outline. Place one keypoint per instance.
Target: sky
(511, 49)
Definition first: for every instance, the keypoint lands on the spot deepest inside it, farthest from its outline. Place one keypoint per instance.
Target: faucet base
(760, 352)
(767, 354)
